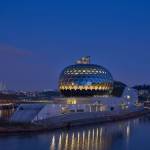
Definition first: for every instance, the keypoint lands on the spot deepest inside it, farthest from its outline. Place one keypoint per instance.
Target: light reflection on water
(93, 137)
(125, 135)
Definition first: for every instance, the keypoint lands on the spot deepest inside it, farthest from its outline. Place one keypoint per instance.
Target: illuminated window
(71, 101)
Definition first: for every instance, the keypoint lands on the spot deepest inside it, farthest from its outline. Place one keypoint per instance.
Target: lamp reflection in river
(52, 147)
(90, 138)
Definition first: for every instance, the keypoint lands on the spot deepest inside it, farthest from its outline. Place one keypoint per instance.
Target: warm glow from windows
(71, 101)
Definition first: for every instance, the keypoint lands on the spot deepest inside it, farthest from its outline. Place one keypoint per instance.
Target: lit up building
(85, 79)
(89, 95)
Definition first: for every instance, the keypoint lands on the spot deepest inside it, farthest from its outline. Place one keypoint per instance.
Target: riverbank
(8, 127)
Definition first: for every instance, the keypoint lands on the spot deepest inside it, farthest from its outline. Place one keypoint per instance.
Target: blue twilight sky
(39, 38)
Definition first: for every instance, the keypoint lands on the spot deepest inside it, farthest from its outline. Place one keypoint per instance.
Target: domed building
(85, 79)
(90, 96)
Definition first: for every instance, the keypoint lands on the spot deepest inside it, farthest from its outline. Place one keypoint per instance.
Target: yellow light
(100, 88)
(71, 101)
(62, 87)
(86, 87)
(96, 87)
(91, 87)
(81, 87)
(70, 87)
(66, 87)
(75, 87)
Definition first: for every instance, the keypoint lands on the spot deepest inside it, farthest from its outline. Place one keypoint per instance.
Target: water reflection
(126, 135)
(91, 138)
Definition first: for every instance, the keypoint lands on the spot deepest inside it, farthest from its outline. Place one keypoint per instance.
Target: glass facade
(85, 80)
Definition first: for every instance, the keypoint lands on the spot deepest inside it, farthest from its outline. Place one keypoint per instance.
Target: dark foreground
(133, 134)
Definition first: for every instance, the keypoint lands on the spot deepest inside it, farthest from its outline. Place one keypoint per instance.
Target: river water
(131, 134)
